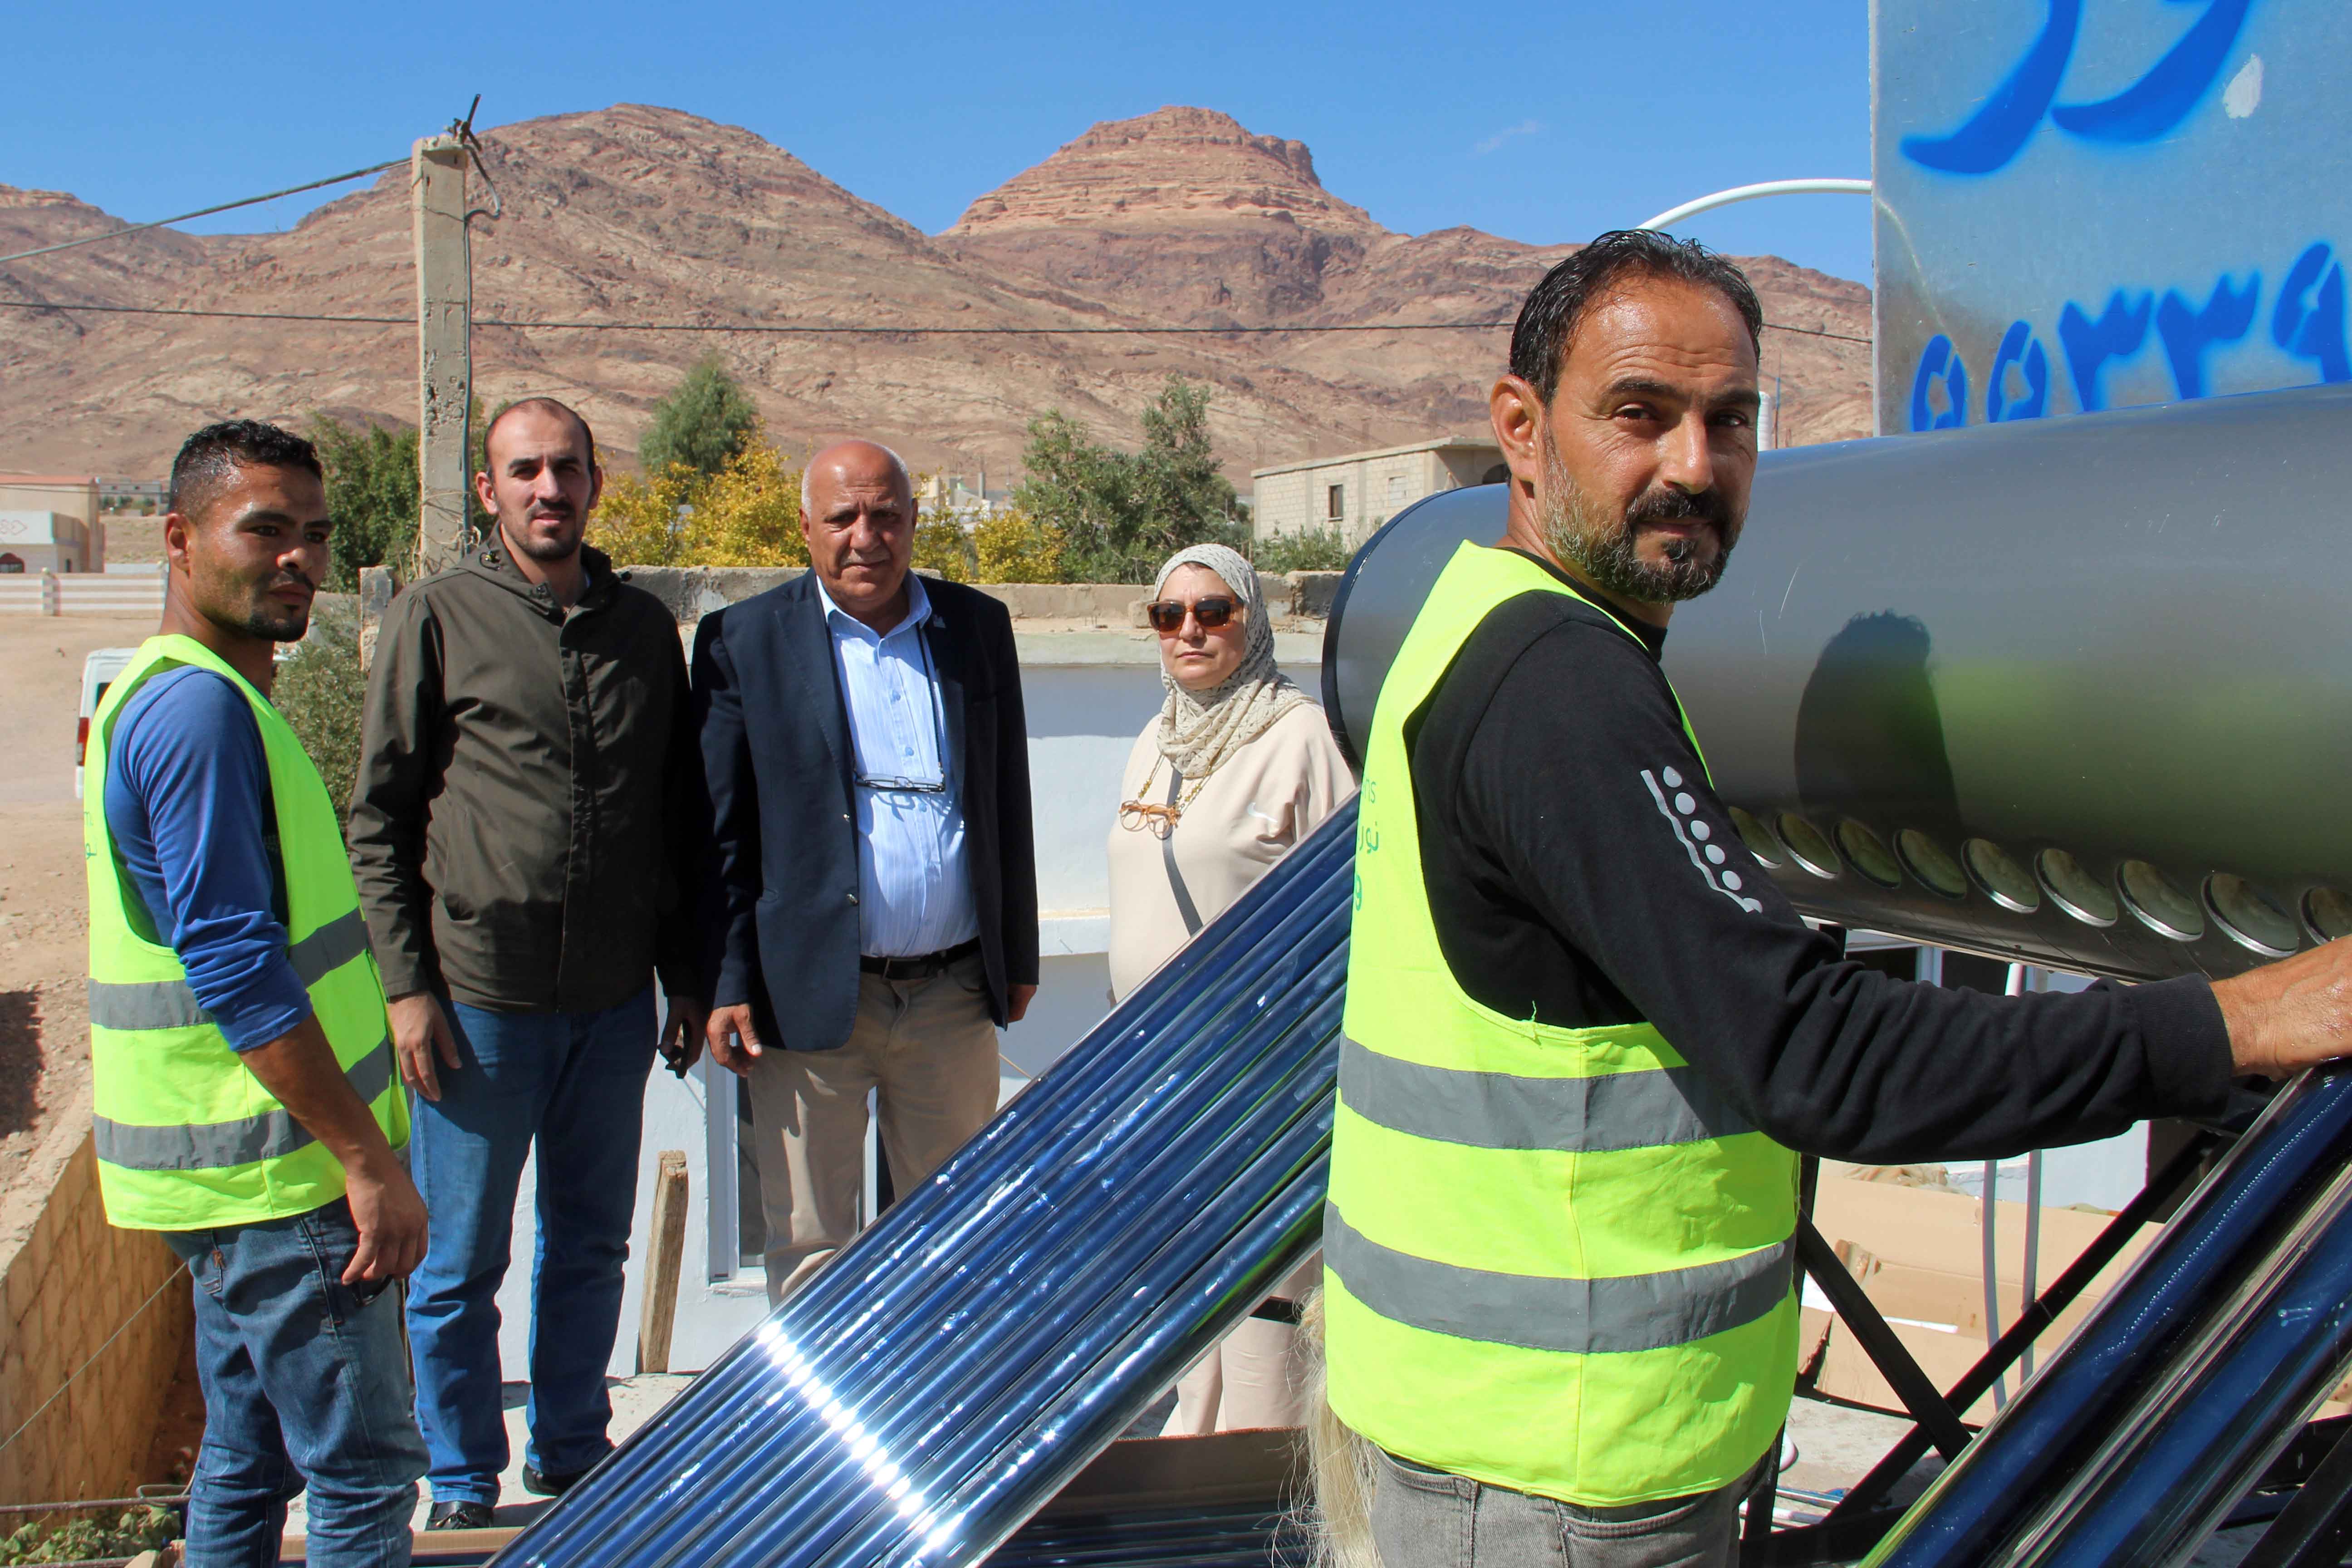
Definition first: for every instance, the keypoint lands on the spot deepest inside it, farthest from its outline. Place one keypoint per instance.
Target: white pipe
(2020, 980)
(1673, 215)
(1993, 1281)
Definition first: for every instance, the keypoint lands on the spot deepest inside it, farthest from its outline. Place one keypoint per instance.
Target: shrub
(89, 1538)
(321, 693)
(747, 514)
(1309, 550)
(1011, 546)
(944, 549)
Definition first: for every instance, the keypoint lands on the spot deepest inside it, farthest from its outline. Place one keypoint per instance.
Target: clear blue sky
(1583, 117)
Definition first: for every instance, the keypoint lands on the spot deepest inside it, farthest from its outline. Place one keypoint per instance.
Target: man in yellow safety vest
(246, 1102)
(1582, 1044)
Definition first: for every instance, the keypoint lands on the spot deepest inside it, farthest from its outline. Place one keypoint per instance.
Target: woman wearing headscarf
(1234, 772)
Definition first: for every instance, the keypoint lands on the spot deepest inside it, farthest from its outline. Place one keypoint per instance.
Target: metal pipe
(1991, 1275)
(2178, 1390)
(1827, 187)
(2029, 1275)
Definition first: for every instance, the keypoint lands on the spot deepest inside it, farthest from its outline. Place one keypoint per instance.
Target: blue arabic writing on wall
(2307, 319)
(2149, 109)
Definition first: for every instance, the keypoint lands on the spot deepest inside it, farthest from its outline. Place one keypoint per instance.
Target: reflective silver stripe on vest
(221, 1144)
(1580, 1317)
(1642, 1110)
(171, 1004)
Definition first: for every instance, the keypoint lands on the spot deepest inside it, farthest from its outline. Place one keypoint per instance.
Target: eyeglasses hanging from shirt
(894, 783)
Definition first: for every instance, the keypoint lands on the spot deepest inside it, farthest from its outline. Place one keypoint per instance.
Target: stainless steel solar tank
(2075, 691)
(2098, 667)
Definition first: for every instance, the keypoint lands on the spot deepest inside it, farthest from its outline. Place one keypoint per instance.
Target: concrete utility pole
(444, 371)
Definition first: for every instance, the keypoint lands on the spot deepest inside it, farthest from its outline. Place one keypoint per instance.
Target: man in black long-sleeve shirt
(1582, 1045)
(1560, 892)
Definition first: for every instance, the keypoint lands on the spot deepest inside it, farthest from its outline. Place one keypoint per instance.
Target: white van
(97, 672)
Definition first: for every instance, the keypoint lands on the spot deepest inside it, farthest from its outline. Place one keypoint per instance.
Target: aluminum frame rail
(2175, 1395)
(1216, 1535)
(948, 1372)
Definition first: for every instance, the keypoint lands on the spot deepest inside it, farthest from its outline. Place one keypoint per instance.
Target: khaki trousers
(928, 1050)
(1253, 1378)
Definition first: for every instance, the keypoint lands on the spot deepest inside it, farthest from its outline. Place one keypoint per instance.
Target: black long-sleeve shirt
(1551, 773)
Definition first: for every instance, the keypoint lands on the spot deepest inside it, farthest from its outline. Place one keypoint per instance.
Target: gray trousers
(1426, 1518)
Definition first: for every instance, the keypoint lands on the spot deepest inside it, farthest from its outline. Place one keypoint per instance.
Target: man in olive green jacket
(530, 808)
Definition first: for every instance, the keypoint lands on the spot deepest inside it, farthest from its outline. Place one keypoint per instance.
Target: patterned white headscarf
(1200, 730)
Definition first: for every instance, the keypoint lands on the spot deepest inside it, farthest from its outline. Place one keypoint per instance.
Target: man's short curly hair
(210, 458)
(1555, 307)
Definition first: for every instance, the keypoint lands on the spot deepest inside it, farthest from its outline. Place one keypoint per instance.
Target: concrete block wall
(72, 1288)
(1376, 489)
(692, 593)
(1281, 504)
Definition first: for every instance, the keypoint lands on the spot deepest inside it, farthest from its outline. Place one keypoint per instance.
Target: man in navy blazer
(876, 886)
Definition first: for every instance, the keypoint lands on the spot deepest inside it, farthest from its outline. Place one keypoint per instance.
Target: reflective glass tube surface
(952, 1368)
(1242, 1537)
(2169, 1401)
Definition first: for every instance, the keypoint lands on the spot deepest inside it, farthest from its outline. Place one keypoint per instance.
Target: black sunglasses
(1167, 614)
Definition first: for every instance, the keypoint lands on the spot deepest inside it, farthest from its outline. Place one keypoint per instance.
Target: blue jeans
(576, 1083)
(306, 1383)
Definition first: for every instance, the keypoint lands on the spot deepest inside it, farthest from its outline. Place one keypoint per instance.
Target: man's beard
(562, 547)
(262, 617)
(1608, 552)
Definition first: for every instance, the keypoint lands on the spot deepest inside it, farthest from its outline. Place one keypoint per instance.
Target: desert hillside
(1180, 218)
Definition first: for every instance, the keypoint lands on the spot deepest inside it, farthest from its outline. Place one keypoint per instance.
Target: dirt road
(44, 927)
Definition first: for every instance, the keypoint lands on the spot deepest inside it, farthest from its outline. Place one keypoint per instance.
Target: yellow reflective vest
(1554, 1260)
(186, 1138)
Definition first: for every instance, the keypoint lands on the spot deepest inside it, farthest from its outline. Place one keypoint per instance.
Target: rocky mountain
(1177, 219)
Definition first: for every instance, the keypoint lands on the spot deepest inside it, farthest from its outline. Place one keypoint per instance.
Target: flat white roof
(1439, 444)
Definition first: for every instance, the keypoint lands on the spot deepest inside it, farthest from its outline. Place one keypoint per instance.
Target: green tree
(1183, 498)
(703, 424)
(1119, 515)
(373, 495)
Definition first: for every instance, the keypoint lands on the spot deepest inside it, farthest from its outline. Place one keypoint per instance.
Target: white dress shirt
(914, 888)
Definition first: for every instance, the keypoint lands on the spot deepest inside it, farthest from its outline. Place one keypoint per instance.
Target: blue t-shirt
(187, 793)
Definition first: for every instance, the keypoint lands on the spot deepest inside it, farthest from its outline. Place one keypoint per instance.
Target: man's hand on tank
(420, 1033)
(2292, 1014)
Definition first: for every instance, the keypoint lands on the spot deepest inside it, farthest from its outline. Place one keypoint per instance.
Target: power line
(225, 315)
(207, 212)
(809, 330)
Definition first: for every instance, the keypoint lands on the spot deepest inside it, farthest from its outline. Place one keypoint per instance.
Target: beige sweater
(1252, 812)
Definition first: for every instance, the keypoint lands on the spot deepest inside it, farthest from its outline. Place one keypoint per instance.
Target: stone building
(43, 542)
(1356, 493)
(52, 521)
